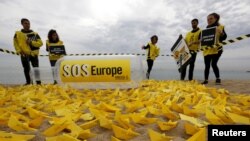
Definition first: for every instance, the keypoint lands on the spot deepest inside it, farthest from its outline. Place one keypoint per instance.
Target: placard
(181, 53)
(57, 50)
(208, 37)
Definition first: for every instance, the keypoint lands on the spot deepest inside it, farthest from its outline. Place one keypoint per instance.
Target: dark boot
(218, 81)
(27, 84)
(38, 82)
(205, 82)
(147, 75)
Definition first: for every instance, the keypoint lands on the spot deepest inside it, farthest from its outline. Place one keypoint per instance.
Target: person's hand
(142, 47)
(197, 42)
(22, 53)
(219, 31)
(190, 44)
(28, 41)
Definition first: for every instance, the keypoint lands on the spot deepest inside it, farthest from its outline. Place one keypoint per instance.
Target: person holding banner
(193, 42)
(152, 53)
(212, 55)
(27, 43)
(54, 43)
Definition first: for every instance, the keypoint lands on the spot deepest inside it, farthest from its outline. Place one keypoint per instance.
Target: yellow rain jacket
(48, 45)
(152, 51)
(215, 50)
(21, 46)
(193, 37)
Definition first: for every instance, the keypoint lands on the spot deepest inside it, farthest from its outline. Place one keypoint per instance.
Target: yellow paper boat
(155, 136)
(133, 106)
(162, 98)
(165, 126)
(168, 103)
(105, 123)
(190, 128)
(188, 100)
(177, 107)
(122, 133)
(87, 116)
(195, 99)
(154, 111)
(89, 124)
(204, 98)
(176, 98)
(20, 117)
(63, 94)
(212, 118)
(4, 121)
(75, 129)
(55, 129)
(238, 118)
(35, 123)
(62, 111)
(189, 112)
(237, 110)
(223, 92)
(223, 115)
(98, 113)
(169, 114)
(14, 137)
(123, 120)
(57, 104)
(35, 113)
(142, 112)
(108, 108)
(15, 124)
(74, 107)
(68, 118)
(245, 101)
(88, 103)
(142, 119)
(220, 100)
(74, 116)
(85, 134)
(195, 121)
(4, 118)
(199, 136)
(114, 139)
(200, 108)
(63, 137)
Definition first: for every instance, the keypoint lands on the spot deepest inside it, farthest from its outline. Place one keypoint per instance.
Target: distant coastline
(248, 71)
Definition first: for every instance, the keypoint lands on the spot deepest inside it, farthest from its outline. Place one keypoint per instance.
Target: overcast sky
(123, 26)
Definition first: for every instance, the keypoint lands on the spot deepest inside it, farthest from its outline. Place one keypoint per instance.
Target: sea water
(11, 71)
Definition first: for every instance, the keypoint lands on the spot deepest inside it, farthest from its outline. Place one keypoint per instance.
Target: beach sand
(234, 87)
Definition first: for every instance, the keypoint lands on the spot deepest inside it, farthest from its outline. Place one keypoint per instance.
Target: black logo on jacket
(33, 37)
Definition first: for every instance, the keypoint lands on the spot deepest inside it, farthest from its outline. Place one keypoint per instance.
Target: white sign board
(181, 53)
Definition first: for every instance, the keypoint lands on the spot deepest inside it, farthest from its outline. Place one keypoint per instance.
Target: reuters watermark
(228, 132)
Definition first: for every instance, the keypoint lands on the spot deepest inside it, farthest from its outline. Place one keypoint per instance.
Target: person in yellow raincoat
(212, 55)
(53, 41)
(152, 53)
(193, 42)
(27, 43)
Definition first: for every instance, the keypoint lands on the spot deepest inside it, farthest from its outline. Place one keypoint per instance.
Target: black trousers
(26, 66)
(212, 60)
(150, 65)
(191, 68)
(52, 62)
